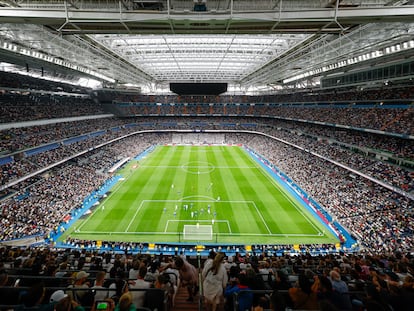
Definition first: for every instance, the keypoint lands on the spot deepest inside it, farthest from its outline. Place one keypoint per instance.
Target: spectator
(188, 276)
(138, 287)
(79, 291)
(303, 296)
(214, 281)
(68, 303)
(125, 303)
(101, 292)
(238, 286)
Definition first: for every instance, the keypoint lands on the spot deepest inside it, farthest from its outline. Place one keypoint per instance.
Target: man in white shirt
(138, 297)
(101, 292)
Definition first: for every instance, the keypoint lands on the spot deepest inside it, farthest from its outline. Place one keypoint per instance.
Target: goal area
(198, 232)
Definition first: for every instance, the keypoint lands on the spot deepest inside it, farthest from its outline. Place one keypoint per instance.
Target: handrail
(200, 283)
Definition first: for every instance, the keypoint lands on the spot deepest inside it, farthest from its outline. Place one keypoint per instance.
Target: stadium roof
(251, 44)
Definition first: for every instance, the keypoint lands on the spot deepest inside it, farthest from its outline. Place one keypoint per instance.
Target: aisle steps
(181, 303)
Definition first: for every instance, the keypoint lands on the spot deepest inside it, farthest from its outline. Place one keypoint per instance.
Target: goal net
(198, 232)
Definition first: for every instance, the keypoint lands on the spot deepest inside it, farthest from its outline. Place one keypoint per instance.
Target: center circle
(198, 167)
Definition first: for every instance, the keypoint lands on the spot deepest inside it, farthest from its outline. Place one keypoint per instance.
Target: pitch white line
(197, 166)
(261, 216)
(220, 234)
(195, 221)
(114, 189)
(228, 225)
(135, 215)
(283, 191)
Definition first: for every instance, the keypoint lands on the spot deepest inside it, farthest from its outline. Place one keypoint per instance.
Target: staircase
(181, 303)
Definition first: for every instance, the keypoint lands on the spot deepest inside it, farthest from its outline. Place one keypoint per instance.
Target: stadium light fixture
(354, 60)
(51, 59)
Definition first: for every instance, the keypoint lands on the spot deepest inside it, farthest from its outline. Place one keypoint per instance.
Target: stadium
(277, 134)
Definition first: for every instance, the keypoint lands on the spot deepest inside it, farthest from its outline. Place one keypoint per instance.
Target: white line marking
(283, 191)
(113, 190)
(135, 215)
(261, 216)
(175, 233)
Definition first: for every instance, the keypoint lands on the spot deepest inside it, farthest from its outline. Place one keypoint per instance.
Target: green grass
(247, 204)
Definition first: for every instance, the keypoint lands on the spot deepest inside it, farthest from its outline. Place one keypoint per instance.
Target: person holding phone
(107, 304)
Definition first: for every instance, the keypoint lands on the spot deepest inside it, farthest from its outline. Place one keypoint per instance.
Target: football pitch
(200, 194)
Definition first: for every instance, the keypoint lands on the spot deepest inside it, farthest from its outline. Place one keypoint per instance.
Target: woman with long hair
(214, 281)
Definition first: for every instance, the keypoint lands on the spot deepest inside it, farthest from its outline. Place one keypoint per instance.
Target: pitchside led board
(198, 88)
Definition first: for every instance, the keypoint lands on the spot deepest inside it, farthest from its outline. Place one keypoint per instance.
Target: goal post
(198, 232)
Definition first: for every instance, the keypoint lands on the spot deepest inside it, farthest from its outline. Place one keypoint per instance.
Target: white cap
(58, 296)
(81, 275)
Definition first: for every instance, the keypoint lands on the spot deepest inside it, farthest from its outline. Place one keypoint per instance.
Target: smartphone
(101, 305)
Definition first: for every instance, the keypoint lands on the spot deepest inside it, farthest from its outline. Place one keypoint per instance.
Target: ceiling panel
(241, 42)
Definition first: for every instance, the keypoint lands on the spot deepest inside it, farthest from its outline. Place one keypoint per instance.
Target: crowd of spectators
(388, 108)
(305, 282)
(373, 116)
(26, 82)
(380, 219)
(393, 174)
(394, 146)
(345, 146)
(30, 106)
(354, 201)
(391, 92)
(39, 208)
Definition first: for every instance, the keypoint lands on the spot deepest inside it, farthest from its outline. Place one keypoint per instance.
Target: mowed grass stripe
(154, 187)
(297, 219)
(255, 190)
(276, 205)
(159, 181)
(245, 217)
(222, 188)
(246, 186)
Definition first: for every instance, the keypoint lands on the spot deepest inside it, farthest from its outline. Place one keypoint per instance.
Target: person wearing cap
(80, 283)
(57, 296)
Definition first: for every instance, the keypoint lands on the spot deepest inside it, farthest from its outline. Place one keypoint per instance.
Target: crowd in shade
(376, 117)
(28, 107)
(391, 92)
(46, 278)
(387, 109)
(18, 82)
